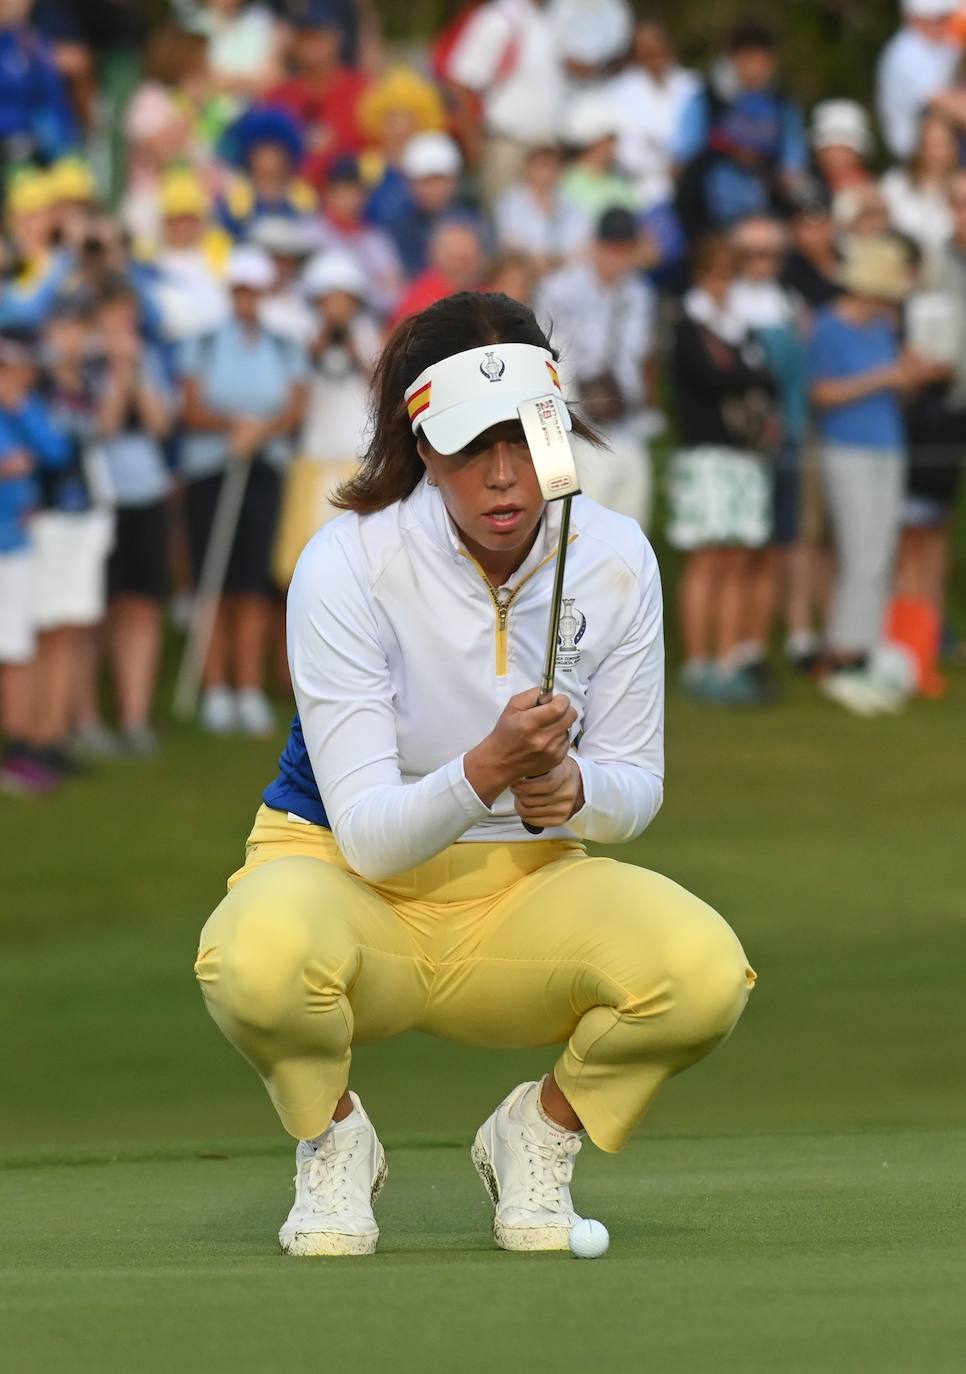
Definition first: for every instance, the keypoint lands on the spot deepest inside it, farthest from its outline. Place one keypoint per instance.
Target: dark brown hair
(391, 467)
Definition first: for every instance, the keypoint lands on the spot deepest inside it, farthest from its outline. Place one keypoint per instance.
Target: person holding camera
(342, 358)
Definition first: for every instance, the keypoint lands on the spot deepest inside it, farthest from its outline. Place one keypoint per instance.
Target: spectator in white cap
(918, 193)
(535, 218)
(916, 64)
(650, 96)
(593, 181)
(432, 164)
(244, 396)
(289, 243)
(841, 139)
(341, 359)
(602, 316)
(507, 62)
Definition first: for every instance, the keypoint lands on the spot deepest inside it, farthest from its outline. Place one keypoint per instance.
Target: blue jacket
(27, 300)
(28, 428)
(34, 104)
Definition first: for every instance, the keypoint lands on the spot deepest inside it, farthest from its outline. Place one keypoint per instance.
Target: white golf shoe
(337, 1179)
(526, 1166)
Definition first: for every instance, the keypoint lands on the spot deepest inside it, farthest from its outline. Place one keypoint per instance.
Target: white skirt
(719, 496)
(72, 552)
(18, 603)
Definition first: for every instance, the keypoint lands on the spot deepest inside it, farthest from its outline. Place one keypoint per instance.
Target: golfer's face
(490, 488)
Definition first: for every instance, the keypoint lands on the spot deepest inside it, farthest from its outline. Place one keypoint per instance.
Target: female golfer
(389, 881)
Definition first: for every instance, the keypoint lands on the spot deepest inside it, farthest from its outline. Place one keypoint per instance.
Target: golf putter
(553, 462)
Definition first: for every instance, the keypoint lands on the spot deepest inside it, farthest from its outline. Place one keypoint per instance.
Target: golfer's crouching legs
(670, 980)
(276, 962)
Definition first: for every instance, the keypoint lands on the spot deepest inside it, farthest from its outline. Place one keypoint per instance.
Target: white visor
(456, 399)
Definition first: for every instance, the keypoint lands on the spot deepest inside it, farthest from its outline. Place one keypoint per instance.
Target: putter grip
(541, 700)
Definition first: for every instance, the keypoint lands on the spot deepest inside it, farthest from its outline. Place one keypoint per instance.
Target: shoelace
(551, 1164)
(326, 1176)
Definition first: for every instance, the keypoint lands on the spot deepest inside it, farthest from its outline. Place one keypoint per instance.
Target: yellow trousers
(490, 944)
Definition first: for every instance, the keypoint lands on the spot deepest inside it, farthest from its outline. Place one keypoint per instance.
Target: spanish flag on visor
(458, 398)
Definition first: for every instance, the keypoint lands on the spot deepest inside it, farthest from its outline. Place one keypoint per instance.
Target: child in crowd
(29, 444)
(720, 480)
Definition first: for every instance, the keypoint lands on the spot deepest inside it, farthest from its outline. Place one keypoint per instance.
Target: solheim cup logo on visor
(492, 367)
(569, 634)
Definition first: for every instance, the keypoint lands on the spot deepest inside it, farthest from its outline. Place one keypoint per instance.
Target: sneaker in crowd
(253, 713)
(694, 677)
(526, 1164)
(61, 761)
(338, 1177)
(728, 686)
(139, 741)
(218, 715)
(803, 652)
(855, 689)
(95, 742)
(23, 775)
(758, 672)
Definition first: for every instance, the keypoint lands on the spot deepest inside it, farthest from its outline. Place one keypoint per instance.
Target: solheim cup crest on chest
(492, 367)
(569, 634)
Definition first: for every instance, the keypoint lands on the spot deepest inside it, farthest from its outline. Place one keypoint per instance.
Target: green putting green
(792, 1204)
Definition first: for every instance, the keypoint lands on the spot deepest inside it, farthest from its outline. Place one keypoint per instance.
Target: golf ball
(588, 1239)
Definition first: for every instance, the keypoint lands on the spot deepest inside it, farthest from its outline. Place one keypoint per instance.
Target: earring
(429, 481)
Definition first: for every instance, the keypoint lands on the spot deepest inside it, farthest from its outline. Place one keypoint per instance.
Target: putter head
(553, 458)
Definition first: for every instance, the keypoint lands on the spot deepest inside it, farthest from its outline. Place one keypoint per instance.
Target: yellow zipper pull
(501, 600)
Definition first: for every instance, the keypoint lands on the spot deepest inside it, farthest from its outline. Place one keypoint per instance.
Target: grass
(794, 1203)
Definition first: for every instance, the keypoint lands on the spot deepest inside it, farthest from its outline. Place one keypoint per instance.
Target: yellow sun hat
(72, 179)
(28, 191)
(183, 194)
(400, 89)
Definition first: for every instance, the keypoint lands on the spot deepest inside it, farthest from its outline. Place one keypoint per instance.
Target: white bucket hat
(334, 271)
(249, 265)
(591, 118)
(431, 155)
(458, 398)
(841, 124)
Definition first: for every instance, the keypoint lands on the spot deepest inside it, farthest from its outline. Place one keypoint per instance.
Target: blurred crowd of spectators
(773, 300)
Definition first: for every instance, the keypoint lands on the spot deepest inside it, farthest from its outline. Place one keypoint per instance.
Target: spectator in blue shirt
(36, 118)
(29, 443)
(134, 415)
(741, 145)
(266, 145)
(244, 397)
(36, 271)
(432, 165)
(748, 68)
(857, 375)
